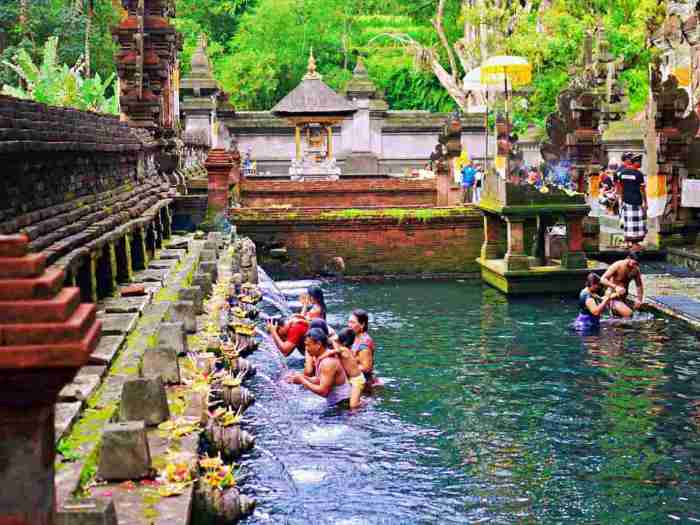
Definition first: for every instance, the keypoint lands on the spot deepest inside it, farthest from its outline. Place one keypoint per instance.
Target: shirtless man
(618, 277)
(329, 379)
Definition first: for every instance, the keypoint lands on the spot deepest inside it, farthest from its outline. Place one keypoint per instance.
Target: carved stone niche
(675, 130)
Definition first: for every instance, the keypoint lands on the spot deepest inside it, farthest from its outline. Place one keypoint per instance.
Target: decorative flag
(500, 165)
(462, 160)
(594, 194)
(657, 194)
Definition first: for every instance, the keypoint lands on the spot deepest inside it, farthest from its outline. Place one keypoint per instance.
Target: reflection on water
(493, 412)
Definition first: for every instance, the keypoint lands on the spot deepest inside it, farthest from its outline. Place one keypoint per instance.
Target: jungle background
(417, 51)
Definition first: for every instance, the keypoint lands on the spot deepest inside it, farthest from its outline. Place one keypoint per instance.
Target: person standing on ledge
(633, 200)
(617, 278)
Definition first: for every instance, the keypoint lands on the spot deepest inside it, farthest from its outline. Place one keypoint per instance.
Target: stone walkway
(88, 404)
(140, 503)
(673, 287)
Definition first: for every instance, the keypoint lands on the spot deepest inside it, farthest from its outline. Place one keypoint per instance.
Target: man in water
(329, 379)
(618, 277)
(633, 199)
(289, 334)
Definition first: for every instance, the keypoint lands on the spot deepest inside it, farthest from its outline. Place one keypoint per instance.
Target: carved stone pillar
(47, 337)
(493, 245)
(574, 257)
(516, 258)
(219, 164)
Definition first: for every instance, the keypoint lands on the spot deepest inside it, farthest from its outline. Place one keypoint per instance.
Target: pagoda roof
(200, 77)
(313, 97)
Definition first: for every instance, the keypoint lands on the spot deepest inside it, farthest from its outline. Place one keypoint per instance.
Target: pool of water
(492, 412)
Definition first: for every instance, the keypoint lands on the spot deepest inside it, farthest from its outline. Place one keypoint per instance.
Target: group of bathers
(338, 365)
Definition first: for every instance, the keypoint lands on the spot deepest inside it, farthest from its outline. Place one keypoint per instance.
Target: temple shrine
(313, 109)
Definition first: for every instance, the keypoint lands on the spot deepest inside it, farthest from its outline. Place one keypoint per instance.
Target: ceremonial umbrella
(472, 82)
(502, 69)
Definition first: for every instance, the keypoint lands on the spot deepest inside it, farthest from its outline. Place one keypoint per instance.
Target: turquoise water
(493, 412)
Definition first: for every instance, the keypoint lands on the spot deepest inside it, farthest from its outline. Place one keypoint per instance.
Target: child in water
(342, 344)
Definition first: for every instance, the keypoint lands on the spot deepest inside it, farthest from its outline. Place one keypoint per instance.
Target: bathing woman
(289, 334)
(313, 304)
(330, 380)
(589, 310)
(363, 346)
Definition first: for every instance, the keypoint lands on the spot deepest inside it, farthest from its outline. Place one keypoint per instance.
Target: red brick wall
(368, 246)
(351, 193)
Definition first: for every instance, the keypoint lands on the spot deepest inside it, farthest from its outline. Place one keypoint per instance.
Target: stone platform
(538, 279)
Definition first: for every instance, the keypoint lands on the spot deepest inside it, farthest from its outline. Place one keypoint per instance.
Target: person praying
(329, 379)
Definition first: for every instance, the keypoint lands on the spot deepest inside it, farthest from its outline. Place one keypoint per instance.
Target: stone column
(492, 247)
(574, 257)
(124, 268)
(297, 141)
(166, 221)
(443, 182)
(329, 128)
(219, 164)
(139, 254)
(44, 344)
(516, 258)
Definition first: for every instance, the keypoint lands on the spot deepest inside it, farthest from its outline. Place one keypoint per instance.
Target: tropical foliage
(58, 85)
(66, 20)
(416, 50)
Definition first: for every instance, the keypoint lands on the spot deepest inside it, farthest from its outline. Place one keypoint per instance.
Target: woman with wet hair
(589, 309)
(363, 346)
(313, 304)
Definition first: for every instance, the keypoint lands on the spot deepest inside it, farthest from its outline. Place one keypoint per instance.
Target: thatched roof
(313, 97)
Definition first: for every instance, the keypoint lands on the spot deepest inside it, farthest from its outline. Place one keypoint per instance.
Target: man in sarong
(633, 200)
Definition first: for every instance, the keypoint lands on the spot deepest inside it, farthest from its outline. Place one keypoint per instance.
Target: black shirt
(632, 181)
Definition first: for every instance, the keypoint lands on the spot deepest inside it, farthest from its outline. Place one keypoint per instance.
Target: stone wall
(85, 191)
(398, 140)
(371, 242)
(350, 193)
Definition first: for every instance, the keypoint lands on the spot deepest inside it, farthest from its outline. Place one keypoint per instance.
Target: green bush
(58, 85)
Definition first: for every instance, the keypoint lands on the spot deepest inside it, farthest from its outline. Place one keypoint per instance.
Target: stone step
(56, 355)
(55, 310)
(107, 348)
(46, 285)
(116, 324)
(124, 305)
(13, 245)
(66, 415)
(32, 265)
(72, 330)
(80, 389)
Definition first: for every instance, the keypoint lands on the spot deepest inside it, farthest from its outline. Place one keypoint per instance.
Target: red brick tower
(46, 335)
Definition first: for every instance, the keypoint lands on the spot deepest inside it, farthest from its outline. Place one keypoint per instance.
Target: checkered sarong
(633, 220)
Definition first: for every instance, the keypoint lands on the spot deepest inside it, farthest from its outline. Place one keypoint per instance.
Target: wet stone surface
(124, 305)
(80, 389)
(107, 348)
(151, 276)
(116, 324)
(66, 414)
